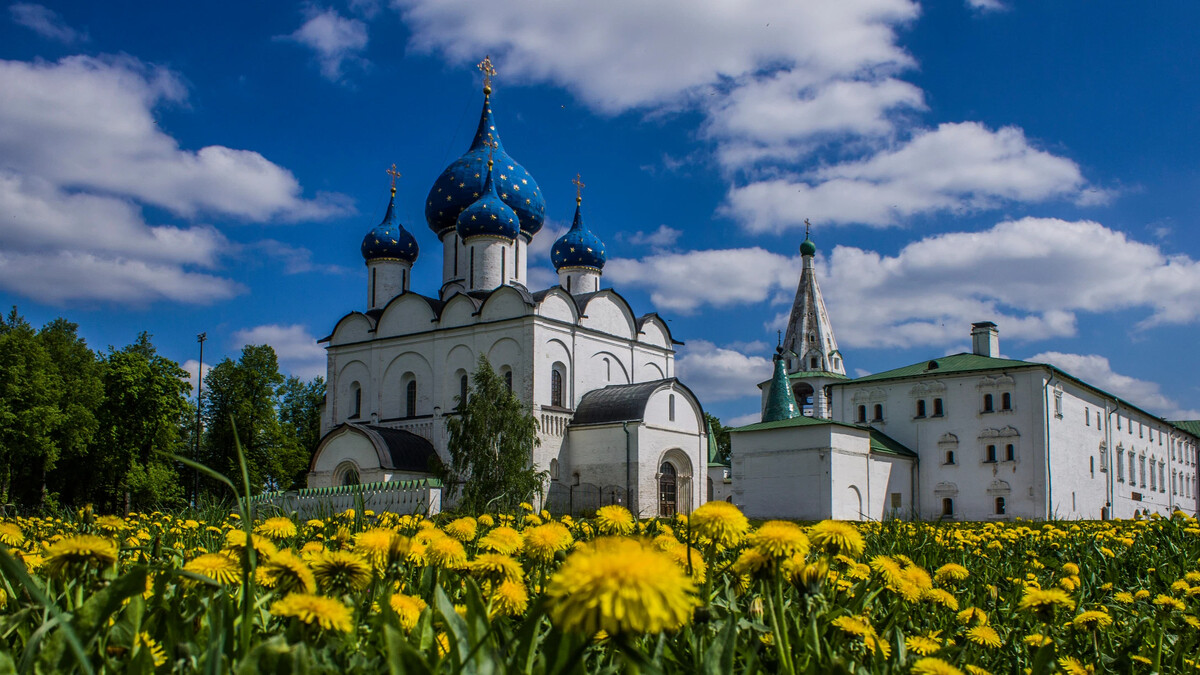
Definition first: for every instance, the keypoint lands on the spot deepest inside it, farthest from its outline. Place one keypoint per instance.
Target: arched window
(671, 407)
(410, 399)
(1006, 401)
(949, 456)
(556, 388)
(347, 474)
(553, 469)
(991, 454)
(947, 507)
(988, 405)
(1010, 452)
(464, 385)
(1000, 506)
(666, 490)
(357, 405)
(938, 408)
(878, 413)
(862, 413)
(508, 380)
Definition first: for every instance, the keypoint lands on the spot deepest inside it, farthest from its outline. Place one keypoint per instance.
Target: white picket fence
(402, 496)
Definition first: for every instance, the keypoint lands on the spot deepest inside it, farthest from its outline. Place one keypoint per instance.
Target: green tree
(492, 437)
(80, 396)
(30, 418)
(300, 407)
(247, 392)
(722, 433)
(145, 405)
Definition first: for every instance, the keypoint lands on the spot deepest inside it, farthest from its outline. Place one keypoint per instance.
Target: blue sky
(188, 167)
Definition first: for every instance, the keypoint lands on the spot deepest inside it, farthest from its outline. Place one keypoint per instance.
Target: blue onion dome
(488, 216)
(389, 240)
(578, 247)
(462, 183)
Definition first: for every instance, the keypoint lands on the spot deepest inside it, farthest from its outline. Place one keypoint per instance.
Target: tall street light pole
(199, 389)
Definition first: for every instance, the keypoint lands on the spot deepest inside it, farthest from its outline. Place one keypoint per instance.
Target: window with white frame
(1142, 471)
(1120, 464)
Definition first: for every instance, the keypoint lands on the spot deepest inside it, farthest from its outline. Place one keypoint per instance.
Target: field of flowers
(528, 593)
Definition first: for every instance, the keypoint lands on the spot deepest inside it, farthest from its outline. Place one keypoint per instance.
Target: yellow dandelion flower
(341, 572)
(921, 645)
(1070, 569)
(376, 545)
(235, 543)
(835, 536)
(408, 609)
(931, 665)
(1092, 620)
(1141, 659)
(510, 598)
(972, 616)
(446, 552)
(157, 653)
(752, 561)
(503, 540)
(1141, 595)
(941, 597)
(1073, 666)
(111, 524)
(1167, 602)
(1123, 597)
(543, 541)
(1044, 601)
(779, 539)
(950, 572)
(82, 551)
(721, 522)
(1036, 640)
(531, 520)
(683, 555)
(486, 520)
(976, 670)
(328, 613)
(620, 586)
(277, 528)
(286, 572)
(527, 506)
(615, 519)
(496, 567)
(11, 534)
(462, 529)
(984, 635)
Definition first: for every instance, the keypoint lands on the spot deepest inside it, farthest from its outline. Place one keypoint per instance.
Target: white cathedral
(970, 436)
(616, 426)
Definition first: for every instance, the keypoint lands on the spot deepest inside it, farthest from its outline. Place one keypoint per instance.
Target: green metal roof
(883, 444)
(800, 421)
(817, 373)
(955, 363)
(880, 442)
(780, 403)
(1190, 426)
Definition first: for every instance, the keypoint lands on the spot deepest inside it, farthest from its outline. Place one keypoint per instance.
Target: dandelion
(921, 645)
(751, 561)
(408, 609)
(1092, 620)
(620, 586)
(543, 541)
(984, 635)
(375, 545)
(941, 597)
(328, 613)
(462, 529)
(615, 519)
(11, 534)
(486, 520)
(341, 571)
(1141, 659)
(1123, 597)
(503, 540)
(446, 552)
(1167, 602)
(950, 572)
(235, 543)
(286, 572)
(1044, 602)
(510, 598)
(836, 537)
(1073, 666)
(721, 522)
(931, 665)
(111, 524)
(779, 539)
(972, 616)
(144, 641)
(1036, 640)
(684, 556)
(976, 670)
(277, 528)
(80, 552)
(496, 567)
(1070, 569)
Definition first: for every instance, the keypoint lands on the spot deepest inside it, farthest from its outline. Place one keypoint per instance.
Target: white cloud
(334, 38)
(721, 374)
(663, 237)
(676, 282)
(987, 5)
(742, 420)
(1030, 276)
(298, 351)
(1097, 371)
(80, 153)
(295, 259)
(957, 167)
(191, 366)
(45, 22)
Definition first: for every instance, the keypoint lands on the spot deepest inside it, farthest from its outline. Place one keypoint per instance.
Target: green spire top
(781, 404)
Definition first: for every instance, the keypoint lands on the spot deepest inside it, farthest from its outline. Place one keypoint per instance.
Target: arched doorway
(668, 486)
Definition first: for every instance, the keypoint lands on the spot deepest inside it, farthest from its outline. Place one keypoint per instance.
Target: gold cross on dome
(579, 185)
(394, 174)
(485, 66)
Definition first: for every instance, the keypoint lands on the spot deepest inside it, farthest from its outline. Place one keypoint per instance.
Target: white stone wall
(385, 280)
(577, 280)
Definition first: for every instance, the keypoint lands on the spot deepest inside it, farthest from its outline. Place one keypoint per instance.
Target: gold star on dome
(526, 201)
(503, 177)
(510, 167)
(524, 181)
(447, 197)
(462, 185)
(493, 216)
(475, 194)
(477, 175)
(516, 187)
(572, 249)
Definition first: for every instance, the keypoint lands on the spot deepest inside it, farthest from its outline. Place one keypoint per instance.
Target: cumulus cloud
(748, 275)
(192, 366)
(1031, 276)
(1097, 371)
(719, 373)
(298, 351)
(335, 39)
(663, 237)
(81, 152)
(45, 22)
(987, 5)
(956, 167)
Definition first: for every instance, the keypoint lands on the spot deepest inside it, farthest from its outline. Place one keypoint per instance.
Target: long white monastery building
(970, 436)
(616, 426)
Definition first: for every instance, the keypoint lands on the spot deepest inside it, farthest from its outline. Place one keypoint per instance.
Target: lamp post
(199, 389)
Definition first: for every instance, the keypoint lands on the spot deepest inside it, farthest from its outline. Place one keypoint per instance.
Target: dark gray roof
(402, 450)
(618, 402)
